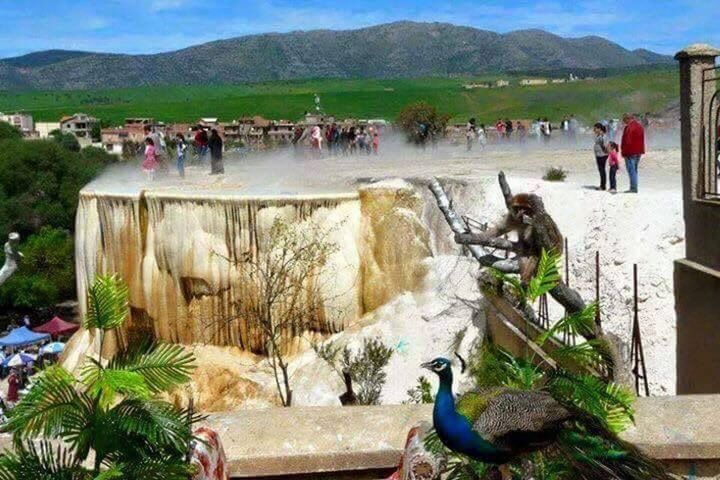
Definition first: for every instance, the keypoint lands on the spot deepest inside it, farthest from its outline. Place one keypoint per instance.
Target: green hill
(393, 50)
(646, 91)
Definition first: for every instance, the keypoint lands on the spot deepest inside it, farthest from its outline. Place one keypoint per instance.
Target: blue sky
(149, 26)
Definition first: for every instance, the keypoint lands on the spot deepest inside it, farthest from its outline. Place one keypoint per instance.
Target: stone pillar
(697, 277)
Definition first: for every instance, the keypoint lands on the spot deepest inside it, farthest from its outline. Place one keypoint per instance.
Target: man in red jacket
(632, 148)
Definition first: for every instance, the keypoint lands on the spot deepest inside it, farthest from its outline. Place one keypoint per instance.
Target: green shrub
(422, 392)
(9, 132)
(66, 140)
(555, 174)
(46, 274)
(366, 366)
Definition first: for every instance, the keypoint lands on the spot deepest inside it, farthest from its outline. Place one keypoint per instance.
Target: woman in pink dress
(150, 164)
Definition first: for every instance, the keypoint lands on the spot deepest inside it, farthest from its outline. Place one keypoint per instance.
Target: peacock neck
(445, 400)
(456, 431)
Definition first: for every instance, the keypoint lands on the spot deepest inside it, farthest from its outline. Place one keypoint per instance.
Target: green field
(648, 91)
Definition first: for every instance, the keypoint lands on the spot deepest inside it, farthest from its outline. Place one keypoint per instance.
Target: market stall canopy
(57, 326)
(53, 348)
(19, 360)
(19, 337)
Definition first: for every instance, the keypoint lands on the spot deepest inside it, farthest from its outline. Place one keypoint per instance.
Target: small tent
(22, 336)
(57, 326)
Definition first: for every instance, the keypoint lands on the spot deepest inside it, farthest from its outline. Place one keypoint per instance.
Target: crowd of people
(507, 131)
(157, 156)
(337, 140)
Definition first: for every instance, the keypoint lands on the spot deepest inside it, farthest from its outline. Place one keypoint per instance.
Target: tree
(46, 276)
(110, 414)
(287, 278)
(96, 132)
(365, 369)
(40, 181)
(420, 121)
(66, 140)
(9, 132)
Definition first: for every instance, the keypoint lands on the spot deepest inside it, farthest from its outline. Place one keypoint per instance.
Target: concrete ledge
(289, 442)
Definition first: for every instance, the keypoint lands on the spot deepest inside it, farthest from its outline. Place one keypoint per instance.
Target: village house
(135, 128)
(502, 83)
(473, 86)
(43, 129)
(22, 121)
(558, 80)
(113, 138)
(529, 82)
(80, 125)
(281, 132)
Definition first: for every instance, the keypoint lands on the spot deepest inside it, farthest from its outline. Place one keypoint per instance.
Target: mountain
(402, 49)
(46, 57)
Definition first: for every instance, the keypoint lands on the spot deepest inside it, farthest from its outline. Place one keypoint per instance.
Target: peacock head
(441, 366)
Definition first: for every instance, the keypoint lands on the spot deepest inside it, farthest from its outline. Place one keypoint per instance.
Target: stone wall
(366, 442)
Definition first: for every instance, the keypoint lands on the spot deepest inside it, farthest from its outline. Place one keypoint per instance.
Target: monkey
(535, 228)
(536, 231)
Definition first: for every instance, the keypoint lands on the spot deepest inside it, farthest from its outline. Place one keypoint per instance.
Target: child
(614, 160)
(150, 164)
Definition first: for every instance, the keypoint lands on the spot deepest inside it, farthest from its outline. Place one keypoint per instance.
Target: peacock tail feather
(595, 453)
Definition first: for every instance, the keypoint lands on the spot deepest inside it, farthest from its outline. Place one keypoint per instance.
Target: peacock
(501, 425)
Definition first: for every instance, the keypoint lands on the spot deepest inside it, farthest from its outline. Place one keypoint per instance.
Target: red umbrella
(57, 326)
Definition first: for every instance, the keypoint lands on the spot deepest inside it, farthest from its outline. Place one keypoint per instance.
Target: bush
(46, 275)
(420, 121)
(421, 393)
(66, 140)
(9, 132)
(555, 174)
(366, 367)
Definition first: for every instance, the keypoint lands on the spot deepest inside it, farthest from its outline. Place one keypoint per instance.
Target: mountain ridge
(394, 50)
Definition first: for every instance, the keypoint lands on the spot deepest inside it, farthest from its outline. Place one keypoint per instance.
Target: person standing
(600, 149)
(180, 147)
(632, 148)
(215, 144)
(376, 142)
(13, 388)
(470, 133)
(614, 160)
(573, 127)
(150, 164)
(201, 143)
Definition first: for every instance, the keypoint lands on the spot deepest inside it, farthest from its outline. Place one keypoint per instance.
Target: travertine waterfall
(182, 257)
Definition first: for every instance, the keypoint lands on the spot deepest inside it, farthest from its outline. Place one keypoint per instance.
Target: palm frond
(162, 365)
(546, 277)
(113, 472)
(497, 367)
(580, 323)
(107, 301)
(108, 383)
(41, 462)
(511, 280)
(167, 468)
(160, 423)
(585, 354)
(608, 402)
(52, 408)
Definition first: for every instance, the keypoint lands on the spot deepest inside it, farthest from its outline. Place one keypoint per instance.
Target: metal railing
(637, 353)
(710, 140)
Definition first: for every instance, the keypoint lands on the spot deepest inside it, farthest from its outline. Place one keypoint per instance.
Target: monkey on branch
(536, 231)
